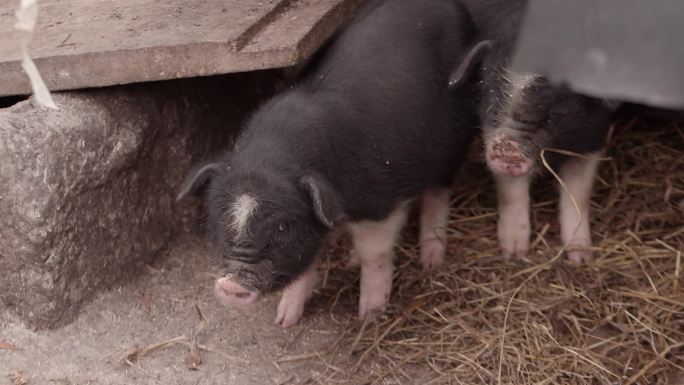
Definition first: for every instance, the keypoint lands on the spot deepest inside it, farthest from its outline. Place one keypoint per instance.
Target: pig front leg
(434, 218)
(291, 306)
(578, 176)
(514, 215)
(374, 247)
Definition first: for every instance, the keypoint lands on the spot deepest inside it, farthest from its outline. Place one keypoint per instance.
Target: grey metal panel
(631, 50)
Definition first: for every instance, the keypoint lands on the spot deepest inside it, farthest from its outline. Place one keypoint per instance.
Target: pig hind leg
(514, 215)
(578, 176)
(434, 217)
(291, 306)
(374, 247)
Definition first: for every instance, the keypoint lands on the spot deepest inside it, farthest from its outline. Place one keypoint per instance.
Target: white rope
(27, 15)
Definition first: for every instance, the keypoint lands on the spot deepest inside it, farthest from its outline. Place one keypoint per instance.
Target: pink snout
(231, 293)
(504, 157)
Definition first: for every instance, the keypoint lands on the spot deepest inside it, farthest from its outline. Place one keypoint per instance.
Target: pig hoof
(579, 256)
(290, 310)
(514, 240)
(372, 304)
(504, 157)
(354, 260)
(432, 253)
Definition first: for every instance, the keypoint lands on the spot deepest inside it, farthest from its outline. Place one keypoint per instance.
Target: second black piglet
(521, 114)
(369, 127)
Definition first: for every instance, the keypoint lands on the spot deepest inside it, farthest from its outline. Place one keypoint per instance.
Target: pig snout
(231, 293)
(505, 157)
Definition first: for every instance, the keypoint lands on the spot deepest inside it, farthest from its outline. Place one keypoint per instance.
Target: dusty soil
(159, 306)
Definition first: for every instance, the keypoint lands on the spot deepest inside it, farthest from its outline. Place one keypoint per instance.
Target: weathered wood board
(93, 43)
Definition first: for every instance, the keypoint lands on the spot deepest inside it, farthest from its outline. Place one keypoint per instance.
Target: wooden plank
(93, 43)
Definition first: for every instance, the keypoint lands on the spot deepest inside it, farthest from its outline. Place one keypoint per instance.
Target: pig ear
(471, 60)
(326, 204)
(197, 180)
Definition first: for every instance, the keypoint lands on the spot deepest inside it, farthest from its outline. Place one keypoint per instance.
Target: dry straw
(542, 320)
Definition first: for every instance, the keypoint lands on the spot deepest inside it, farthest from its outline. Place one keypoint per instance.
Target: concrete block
(87, 192)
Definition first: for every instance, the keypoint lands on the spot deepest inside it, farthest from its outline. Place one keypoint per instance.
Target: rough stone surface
(87, 192)
(84, 43)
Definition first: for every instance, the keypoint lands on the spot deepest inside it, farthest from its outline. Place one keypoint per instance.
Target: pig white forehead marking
(241, 211)
(517, 82)
(513, 87)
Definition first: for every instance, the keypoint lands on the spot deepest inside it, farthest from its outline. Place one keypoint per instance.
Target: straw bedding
(542, 320)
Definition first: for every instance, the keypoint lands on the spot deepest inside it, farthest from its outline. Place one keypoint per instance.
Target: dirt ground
(160, 306)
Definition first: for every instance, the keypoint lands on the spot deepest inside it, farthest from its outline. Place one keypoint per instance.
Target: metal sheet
(628, 49)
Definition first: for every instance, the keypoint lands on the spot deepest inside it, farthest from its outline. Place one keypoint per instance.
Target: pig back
(390, 123)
